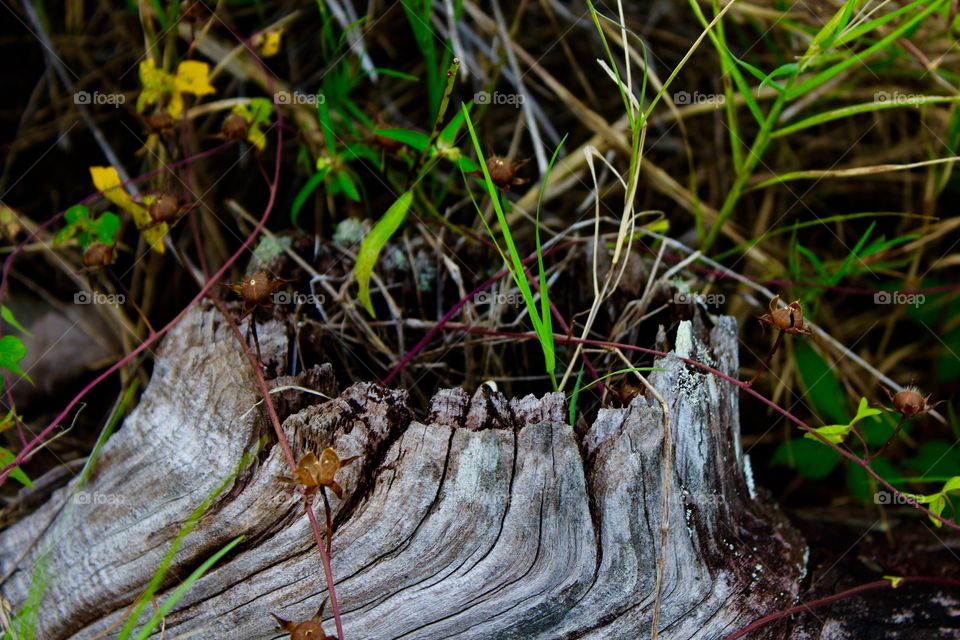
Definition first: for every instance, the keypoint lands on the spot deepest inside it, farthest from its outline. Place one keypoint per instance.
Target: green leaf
(105, 228)
(729, 63)
(759, 74)
(814, 260)
(820, 383)
(511, 257)
(864, 107)
(574, 397)
(305, 192)
(414, 139)
(188, 526)
(347, 188)
(9, 319)
(88, 230)
(374, 243)
(864, 411)
(835, 433)
(6, 457)
(12, 352)
(936, 508)
(842, 271)
(788, 69)
(449, 133)
(953, 484)
(880, 45)
(810, 459)
(256, 114)
(936, 459)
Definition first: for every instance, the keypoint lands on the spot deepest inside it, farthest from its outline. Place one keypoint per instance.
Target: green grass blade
(866, 107)
(828, 74)
(574, 397)
(545, 312)
(513, 262)
(180, 591)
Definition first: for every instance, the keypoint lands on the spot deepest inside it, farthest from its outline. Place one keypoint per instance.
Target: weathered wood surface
(489, 519)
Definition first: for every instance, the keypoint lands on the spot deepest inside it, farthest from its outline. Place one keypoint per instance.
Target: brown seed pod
(159, 122)
(788, 319)
(909, 402)
(311, 629)
(503, 172)
(165, 208)
(313, 472)
(257, 291)
(234, 127)
(98, 255)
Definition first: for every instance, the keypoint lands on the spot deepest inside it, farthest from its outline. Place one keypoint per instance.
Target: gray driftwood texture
(489, 519)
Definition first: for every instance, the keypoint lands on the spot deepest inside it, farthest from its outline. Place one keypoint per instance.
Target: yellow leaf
(270, 43)
(156, 84)
(175, 106)
(107, 181)
(193, 77)
(895, 581)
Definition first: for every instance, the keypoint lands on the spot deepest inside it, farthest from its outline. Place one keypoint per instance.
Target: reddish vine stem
(287, 454)
(849, 593)
(766, 363)
(903, 421)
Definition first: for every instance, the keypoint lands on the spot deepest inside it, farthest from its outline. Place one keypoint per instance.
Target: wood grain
(489, 519)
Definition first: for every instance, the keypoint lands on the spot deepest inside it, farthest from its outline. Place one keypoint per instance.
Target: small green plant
(939, 500)
(87, 229)
(12, 353)
(837, 433)
(540, 317)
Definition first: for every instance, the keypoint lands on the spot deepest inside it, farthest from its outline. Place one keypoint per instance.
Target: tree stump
(488, 519)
